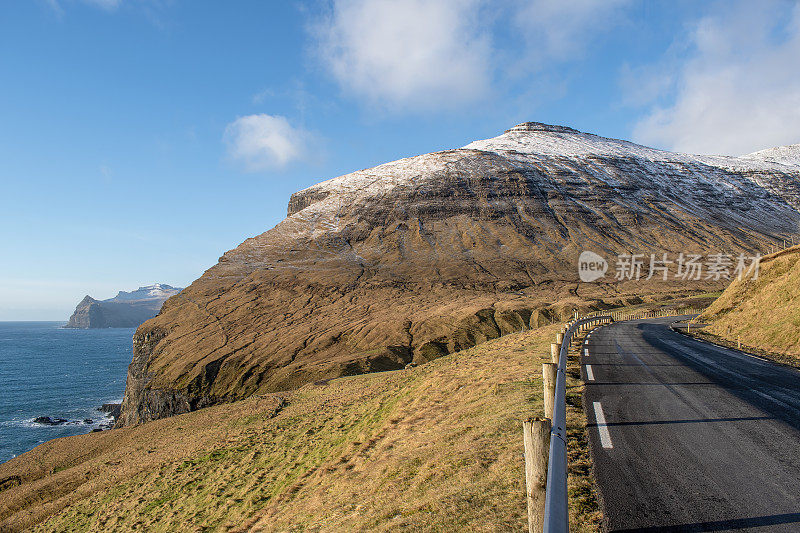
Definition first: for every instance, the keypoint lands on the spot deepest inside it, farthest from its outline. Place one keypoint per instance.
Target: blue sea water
(61, 373)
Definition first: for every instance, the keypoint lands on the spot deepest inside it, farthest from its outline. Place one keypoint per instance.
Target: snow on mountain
(534, 142)
(149, 292)
(784, 155)
(537, 139)
(427, 255)
(125, 310)
(767, 184)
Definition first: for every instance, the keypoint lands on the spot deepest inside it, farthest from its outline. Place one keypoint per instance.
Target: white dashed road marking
(602, 428)
(589, 373)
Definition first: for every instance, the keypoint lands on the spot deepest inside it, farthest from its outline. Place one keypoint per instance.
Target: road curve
(689, 436)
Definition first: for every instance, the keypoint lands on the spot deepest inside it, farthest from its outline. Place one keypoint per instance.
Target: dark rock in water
(88, 421)
(112, 409)
(125, 310)
(96, 430)
(48, 421)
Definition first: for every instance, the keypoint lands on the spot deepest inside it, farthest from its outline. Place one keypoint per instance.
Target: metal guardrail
(556, 515)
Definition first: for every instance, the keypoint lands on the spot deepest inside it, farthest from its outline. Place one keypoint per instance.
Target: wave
(101, 420)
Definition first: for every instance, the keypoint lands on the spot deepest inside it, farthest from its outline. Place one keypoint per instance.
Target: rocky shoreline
(111, 413)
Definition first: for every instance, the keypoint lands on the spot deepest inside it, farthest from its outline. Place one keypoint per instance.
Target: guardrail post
(536, 436)
(555, 350)
(556, 514)
(549, 373)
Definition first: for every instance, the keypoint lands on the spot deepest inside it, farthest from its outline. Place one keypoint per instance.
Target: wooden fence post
(549, 372)
(536, 438)
(555, 352)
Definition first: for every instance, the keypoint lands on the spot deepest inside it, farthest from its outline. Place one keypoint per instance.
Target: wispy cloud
(105, 4)
(106, 173)
(108, 5)
(261, 96)
(412, 53)
(264, 142)
(423, 55)
(737, 88)
(558, 30)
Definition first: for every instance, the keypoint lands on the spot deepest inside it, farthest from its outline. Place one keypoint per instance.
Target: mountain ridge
(551, 141)
(784, 155)
(147, 292)
(427, 255)
(125, 310)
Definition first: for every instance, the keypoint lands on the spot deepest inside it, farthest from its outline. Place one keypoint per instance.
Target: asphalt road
(688, 436)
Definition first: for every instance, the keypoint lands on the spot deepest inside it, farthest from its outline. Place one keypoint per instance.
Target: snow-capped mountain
(148, 292)
(783, 155)
(563, 155)
(125, 310)
(426, 255)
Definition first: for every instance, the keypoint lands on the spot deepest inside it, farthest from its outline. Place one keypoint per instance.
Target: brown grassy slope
(763, 313)
(428, 256)
(433, 448)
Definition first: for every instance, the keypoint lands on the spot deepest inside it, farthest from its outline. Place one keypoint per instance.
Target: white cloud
(739, 89)
(560, 30)
(264, 142)
(644, 84)
(433, 54)
(407, 53)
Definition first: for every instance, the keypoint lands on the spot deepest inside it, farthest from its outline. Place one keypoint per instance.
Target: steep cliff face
(125, 310)
(423, 256)
(87, 315)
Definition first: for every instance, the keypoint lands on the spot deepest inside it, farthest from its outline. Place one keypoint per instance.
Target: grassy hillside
(763, 313)
(433, 448)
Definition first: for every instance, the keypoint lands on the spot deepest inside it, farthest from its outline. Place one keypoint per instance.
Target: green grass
(432, 448)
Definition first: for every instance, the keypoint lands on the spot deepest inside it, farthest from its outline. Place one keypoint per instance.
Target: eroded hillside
(424, 256)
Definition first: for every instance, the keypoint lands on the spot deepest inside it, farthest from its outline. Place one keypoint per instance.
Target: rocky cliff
(427, 255)
(125, 310)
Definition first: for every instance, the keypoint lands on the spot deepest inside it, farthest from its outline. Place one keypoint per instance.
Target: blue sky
(141, 139)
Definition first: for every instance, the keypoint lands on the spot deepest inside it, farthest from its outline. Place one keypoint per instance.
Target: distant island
(125, 310)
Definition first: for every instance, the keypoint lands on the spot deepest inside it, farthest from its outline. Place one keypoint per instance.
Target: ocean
(61, 373)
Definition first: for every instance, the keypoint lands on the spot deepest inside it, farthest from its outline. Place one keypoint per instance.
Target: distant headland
(125, 310)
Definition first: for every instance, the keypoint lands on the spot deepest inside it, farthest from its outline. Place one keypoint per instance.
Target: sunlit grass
(763, 314)
(433, 448)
